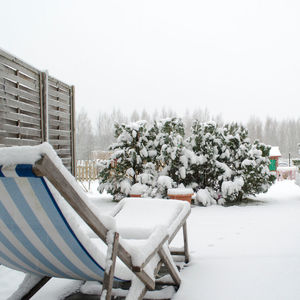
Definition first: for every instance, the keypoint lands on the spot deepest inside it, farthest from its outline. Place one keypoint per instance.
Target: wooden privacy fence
(86, 170)
(35, 107)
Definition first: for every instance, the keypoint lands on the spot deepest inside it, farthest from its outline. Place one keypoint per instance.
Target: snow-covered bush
(127, 162)
(231, 167)
(148, 155)
(219, 163)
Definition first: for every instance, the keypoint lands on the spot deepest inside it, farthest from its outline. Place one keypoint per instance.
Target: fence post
(73, 131)
(44, 109)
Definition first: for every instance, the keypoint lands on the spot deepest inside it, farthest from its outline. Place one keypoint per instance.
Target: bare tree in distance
(285, 133)
(84, 135)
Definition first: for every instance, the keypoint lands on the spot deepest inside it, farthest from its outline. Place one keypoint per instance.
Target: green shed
(274, 156)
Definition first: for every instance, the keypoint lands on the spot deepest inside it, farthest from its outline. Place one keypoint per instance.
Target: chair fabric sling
(35, 242)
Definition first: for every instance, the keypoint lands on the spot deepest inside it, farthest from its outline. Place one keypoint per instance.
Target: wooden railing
(86, 170)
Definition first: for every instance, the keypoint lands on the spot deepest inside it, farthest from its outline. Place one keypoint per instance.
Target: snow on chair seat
(41, 212)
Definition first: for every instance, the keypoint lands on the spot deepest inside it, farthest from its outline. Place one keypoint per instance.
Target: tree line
(99, 135)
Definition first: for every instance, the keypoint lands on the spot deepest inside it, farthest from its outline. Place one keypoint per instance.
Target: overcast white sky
(235, 57)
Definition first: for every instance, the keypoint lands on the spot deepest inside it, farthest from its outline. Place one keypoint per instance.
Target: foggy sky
(238, 58)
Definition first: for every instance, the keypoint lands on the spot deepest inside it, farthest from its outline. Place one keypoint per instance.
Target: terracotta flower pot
(185, 197)
(135, 195)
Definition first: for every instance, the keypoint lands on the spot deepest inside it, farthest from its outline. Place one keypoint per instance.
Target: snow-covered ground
(238, 252)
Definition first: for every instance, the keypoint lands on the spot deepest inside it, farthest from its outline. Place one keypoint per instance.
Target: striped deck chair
(42, 210)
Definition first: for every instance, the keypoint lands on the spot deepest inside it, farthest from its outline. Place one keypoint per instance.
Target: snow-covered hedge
(218, 163)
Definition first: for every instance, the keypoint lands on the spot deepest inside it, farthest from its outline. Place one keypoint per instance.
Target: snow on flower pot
(181, 194)
(137, 190)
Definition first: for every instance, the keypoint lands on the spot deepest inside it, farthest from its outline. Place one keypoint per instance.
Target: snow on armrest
(143, 250)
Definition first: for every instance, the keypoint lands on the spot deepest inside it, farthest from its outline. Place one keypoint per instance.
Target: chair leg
(185, 241)
(36, 287)
(110, 268)
(171, 267)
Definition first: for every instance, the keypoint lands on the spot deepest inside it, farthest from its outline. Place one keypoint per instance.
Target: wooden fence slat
(17, 64)
(59, 95)
(23, 130)
(21, 142)
(60, 142)
(19, 92)
(58, 113)
(21, 105)
(12, 77)
(21, 117)
(62, 105)
(22, 75)
(58, 83)
(5, 95)
(59, 132)
(22, 112)
(60, 125)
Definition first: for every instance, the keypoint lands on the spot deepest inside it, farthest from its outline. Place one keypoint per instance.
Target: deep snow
(238, 252)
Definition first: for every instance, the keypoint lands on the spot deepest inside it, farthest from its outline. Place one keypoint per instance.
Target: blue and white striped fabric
(35, 237)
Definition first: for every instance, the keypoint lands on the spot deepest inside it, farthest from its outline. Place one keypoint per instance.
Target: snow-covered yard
(238, 252)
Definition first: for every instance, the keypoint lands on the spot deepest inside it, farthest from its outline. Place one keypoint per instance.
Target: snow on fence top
(34, 108)
(275, 151)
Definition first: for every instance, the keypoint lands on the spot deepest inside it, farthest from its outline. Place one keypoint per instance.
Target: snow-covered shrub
(219, 163)
(206, 145)
(148, 155)
(231, 167)
(118, 174)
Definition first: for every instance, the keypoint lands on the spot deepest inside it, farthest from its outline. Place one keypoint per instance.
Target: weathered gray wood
(185, 243)
(6, 68)
(109, 274)
(20, 142)
(26, 107)
(8, 83)
(58, 113)
(21, 112)
(59, 124)
(58, 83)
(59, 119)
(19, 137)
(16, 78)
(150, 256)
(178, 227)
(57, 103)
(17, 64)
(10, 102)
(21, 92)
(6, 96)
(64, 152)
(178, 253)
(60, 142)
(36, 288)
(45, 167)
(169, 266)
(66, 160)
(59, 95)
(73, 130)
(24, 131)
(45, 105)
(21, 117)
(60, 132)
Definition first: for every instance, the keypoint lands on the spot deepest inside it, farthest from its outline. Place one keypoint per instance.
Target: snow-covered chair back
(35, 236)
